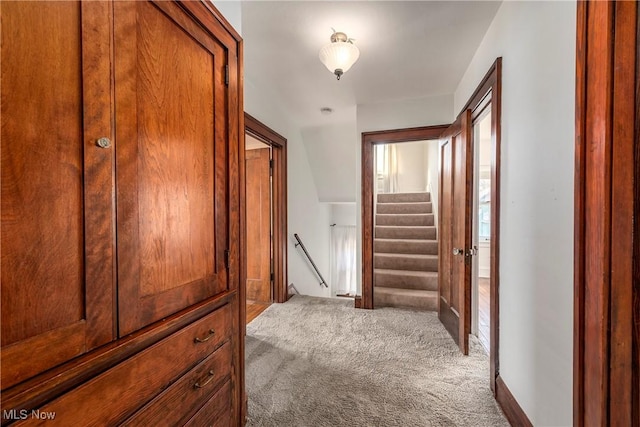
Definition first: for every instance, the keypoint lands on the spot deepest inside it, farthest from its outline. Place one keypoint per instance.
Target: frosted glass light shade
(338, 57)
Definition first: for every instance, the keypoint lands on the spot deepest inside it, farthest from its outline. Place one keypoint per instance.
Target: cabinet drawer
(118, 392)
(216, 412)
(176, 404)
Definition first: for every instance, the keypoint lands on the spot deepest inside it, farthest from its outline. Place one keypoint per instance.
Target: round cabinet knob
(457, 251)
(103, 142)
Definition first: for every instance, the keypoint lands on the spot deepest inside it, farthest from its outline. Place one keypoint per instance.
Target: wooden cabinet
(120, 206)
(57, 231)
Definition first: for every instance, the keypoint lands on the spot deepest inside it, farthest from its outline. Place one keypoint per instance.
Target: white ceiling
(408, 50)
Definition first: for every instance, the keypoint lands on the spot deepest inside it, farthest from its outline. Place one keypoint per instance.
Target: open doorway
(481, 269)
(405, 235)
(265, 226)
(468, 215)
(259, 225)
(370, 140)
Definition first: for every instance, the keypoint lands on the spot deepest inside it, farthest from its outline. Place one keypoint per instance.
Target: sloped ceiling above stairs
(332, 159)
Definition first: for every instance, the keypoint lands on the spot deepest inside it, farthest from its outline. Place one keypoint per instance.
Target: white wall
(537, 43)
(232, 11)
(411, 157)
(433, 174)
(343, 214)
(435, 110)
(332, 160)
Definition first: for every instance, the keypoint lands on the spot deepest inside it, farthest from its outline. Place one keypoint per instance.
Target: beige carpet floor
(319, 362)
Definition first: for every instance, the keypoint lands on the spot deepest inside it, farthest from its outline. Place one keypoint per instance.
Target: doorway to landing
(264, 230)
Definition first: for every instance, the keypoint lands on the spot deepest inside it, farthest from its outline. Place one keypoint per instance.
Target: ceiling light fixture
(339, 55)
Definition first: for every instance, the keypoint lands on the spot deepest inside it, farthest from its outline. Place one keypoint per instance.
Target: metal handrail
(323, 282)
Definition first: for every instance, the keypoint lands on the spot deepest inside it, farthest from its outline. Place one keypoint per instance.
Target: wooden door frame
(606, 357)
(278, 143)
(369, 140)
(491, 85)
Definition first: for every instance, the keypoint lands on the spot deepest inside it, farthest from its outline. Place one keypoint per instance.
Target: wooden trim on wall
(237, 103)
(606, 272)
(510, 406)
(578, 229)
(279, 145)
(369, 140)
(635, 377)
(358, 301)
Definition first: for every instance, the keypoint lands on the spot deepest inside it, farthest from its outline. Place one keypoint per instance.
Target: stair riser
(403, 208)
(402, 263)
(428, 247)
(404, 197)
(425, 219)
(406, 282)
(428, 233)
(427, 303)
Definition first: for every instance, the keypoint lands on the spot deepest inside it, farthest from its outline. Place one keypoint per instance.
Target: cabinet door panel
(57, 212)
(171, 163)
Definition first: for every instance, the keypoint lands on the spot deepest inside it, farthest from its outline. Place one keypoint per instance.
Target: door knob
(458, 251)
(472, 252)
(103, 142)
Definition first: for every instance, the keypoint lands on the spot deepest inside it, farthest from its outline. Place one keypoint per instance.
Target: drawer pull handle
(205, 339)
(206, 381)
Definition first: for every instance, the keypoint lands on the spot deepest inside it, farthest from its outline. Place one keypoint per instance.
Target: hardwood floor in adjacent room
(254, 309)
(484, 314)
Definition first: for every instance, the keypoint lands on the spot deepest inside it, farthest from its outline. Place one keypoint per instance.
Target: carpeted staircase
(405, 252)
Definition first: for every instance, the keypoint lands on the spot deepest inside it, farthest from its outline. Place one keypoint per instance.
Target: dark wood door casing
(369, 141)
(489, 92)
(607, 205)
(278, 144)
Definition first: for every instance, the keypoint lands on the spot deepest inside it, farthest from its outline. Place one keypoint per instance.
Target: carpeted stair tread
(405, 219)
(405, 252)
(407, 298)
(405, 232)
(413, 256)
(413, 262)
(406, 246)
(404, 208)
(405, 279)
(403, 197)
